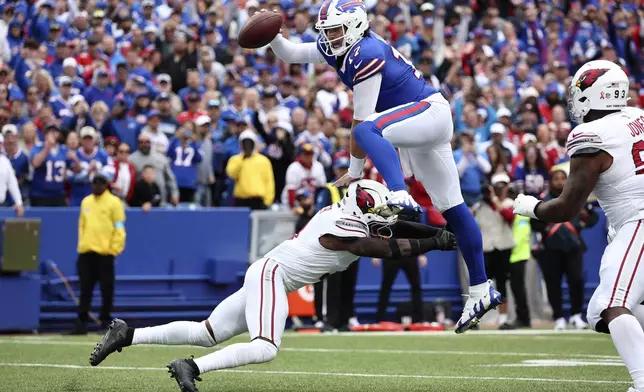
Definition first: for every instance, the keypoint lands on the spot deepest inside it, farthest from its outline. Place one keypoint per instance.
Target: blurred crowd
(159, 97)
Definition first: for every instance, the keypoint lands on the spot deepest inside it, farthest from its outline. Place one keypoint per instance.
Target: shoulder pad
(349, 227)
(582, 138)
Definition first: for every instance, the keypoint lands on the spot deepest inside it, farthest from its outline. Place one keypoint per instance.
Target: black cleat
(114, 340)
(185, 374)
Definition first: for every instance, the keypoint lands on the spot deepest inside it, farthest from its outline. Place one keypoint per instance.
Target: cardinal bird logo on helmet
(589, 77)
(364, 200)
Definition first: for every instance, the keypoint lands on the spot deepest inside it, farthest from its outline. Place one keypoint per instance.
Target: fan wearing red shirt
(194, 109)
(557, 148)
(92, 54)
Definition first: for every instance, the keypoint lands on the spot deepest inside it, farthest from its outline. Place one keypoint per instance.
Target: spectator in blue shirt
(70, 69)
(472, 168)
(193, 86)
(55, 67)
(121, 125)
(288, 99)
(93, 160)
(27, 63)
(79, 29)
(42, 20)
(60, 103)
(50, 161)
(120, 80)
(100, 90)
(185, 155)
(15, 38)
(168, 121)
(301, 28)
(217, 125)
(17, 112)
(80, 115)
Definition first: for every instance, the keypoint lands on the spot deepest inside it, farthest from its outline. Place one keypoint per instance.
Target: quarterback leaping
(395, 108)
(335, 237)
(607, 157)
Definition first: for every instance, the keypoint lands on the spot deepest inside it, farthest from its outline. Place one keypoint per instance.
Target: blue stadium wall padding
(191, 260)
(20, 304)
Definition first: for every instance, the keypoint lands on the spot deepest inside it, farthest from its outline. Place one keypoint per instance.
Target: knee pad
(265, 351)
(593, 315)
(365, 129)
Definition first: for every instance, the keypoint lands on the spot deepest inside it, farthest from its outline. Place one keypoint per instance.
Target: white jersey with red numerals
(304, 261)
(620, 189)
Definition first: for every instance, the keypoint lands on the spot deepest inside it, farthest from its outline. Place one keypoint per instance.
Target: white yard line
(450, 333)
(342, 350)
(297, 373)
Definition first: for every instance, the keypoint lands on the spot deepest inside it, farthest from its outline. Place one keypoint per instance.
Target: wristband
(534, 210)
(395, 249)
(415, 247)
(355, 167)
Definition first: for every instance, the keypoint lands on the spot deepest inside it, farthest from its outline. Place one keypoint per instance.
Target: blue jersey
(49, 178)
(60, 106)
(401, 83)
(20, 163)
(183, 161)
(81, 183)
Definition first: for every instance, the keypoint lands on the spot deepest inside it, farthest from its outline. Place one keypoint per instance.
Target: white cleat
(560, 324)
(633, 390)
(478, 303)
(576, 322)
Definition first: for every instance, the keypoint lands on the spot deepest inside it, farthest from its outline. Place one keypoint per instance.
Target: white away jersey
(302, 258)
(620, 189)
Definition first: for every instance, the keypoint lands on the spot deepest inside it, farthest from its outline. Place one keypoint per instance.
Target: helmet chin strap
(381, 229)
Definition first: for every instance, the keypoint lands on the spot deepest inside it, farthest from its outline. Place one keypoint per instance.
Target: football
(260, 30)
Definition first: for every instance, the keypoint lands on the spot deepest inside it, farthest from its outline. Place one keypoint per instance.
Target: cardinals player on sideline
(334, 238)
(607, 158)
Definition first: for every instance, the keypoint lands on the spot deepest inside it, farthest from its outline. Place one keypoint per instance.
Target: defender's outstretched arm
(389, 249)
(407, 229)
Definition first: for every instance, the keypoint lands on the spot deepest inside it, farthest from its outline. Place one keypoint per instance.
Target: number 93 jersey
(302, 258)
(620, 189)
(401, 82)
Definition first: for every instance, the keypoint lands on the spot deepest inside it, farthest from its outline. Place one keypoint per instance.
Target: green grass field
(487, 361)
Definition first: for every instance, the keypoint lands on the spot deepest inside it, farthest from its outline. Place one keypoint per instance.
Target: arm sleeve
(171, 181)
(325, 158)
(6, 49)
(81, 222)
(118, 236)
(269, 197)
(12, 185)
(461, 163)
(290, 52)
(365, 97)
(484, 164)
(290, 185)
(198, 152)
(233, 167)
